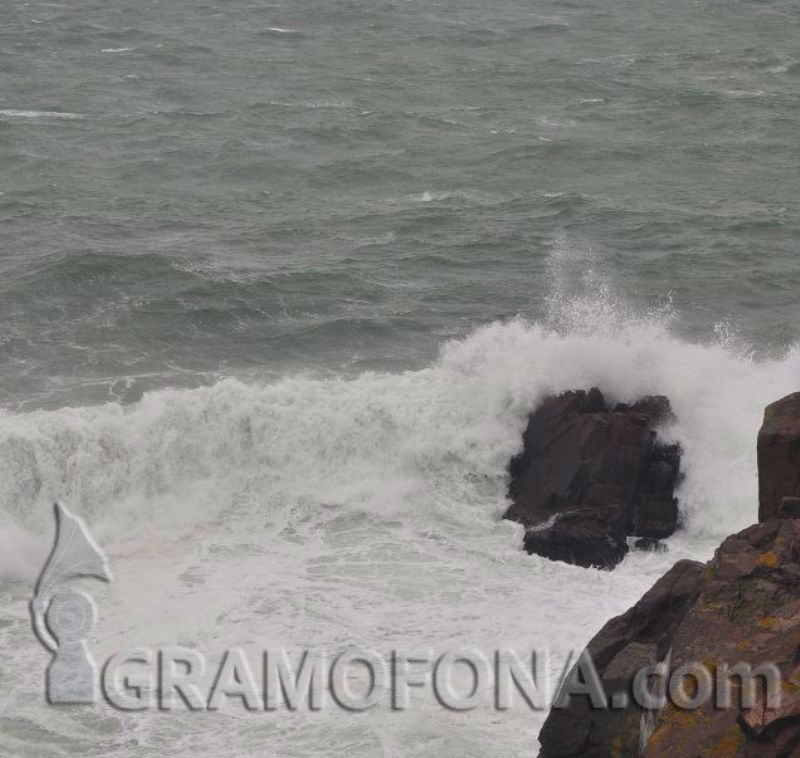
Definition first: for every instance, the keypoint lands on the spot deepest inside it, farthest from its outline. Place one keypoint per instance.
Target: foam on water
(390, 442)
(365, 510)
(11, 113)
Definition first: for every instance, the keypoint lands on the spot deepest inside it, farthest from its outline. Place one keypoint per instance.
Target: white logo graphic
(63, 619)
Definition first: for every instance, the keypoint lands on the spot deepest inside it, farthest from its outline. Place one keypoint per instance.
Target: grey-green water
(292, 240)
(190, 190)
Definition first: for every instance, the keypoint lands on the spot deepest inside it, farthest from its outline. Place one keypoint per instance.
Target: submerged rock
(779, 455)
(650, 545)
(593, 476)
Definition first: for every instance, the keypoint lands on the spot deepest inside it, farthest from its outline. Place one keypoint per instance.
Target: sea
(280, 283)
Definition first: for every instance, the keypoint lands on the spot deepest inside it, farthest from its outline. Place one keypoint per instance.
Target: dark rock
(789, 507)
(585, 538)
(779, 455)
(743, 606)
(649, 544)
(656, 407)
(595, 402)
(644, 632)
(655, 517)
(581, 459)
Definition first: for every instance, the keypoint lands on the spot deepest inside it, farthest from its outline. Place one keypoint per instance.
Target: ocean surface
(280, 283)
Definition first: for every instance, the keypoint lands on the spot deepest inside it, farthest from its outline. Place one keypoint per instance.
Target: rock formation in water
(590, 476)
(779, 455)
(741, 608)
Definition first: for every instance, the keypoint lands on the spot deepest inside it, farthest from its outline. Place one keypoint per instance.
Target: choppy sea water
(281, 282)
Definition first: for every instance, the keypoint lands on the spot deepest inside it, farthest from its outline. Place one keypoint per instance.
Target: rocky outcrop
(585, 537)
(589, 476)
(779, 456)
(741, 607)
(641, 637)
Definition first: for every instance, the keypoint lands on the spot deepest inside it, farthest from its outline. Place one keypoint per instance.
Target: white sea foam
(21, 553)
(11, 113)
(467, 195)
(390, 443)
(365, 510)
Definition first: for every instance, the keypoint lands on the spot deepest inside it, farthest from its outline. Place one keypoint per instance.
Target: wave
(280, 32)
(468, 196)
(11, 113)
(417, 446)
(424, 447)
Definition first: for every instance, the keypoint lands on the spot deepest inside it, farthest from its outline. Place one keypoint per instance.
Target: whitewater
(281, 282)
(323, 513)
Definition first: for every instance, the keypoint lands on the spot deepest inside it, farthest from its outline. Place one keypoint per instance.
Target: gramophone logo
(63, 618)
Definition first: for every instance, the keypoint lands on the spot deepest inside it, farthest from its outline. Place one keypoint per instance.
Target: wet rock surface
(590, 476)
(779, 455)
(741, 607)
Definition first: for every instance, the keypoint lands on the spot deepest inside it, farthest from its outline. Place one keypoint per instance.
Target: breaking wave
(418, 446)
